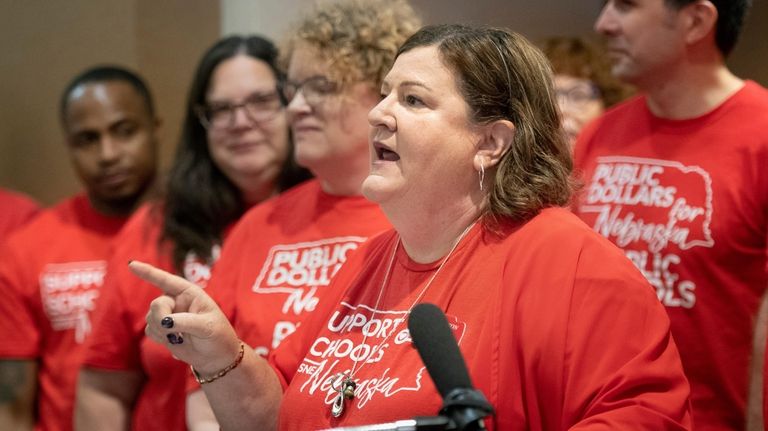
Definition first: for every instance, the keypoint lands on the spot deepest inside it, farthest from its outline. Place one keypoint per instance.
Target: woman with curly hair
(277, 264)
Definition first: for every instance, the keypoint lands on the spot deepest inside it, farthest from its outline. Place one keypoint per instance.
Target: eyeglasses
(258, 107)
(315, 89)
(578, 95)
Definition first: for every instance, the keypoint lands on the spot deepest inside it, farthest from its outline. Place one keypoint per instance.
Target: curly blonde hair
(358, 37)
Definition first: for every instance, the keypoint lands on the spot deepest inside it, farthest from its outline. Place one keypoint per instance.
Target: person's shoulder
(554, 223)
(614, 120)
(370, 252)
(17, 201)
(282, 203)
(143, 227)
(558, 229)
(16, 210)
(49, 218)
(633, 106)
(27, 241)
(753, 97)
(560, 236)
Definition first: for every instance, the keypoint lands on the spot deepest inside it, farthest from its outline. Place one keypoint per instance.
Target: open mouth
(384, 153)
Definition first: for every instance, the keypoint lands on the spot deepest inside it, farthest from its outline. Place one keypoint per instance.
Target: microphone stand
(466, 408)
(463, 410)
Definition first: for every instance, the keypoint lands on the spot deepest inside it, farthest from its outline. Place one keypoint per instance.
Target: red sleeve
(114, 342)
(20, 308)
(119, 317)
(620, 373)
(222, 286)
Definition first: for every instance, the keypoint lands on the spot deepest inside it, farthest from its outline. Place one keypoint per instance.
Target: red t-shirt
(558, 330)
(50, 275)
(277, 264)
(15, 210)
(687, 201)
(118, 341)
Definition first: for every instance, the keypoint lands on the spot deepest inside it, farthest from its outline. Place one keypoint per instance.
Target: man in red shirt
(675, 177)
(51, 269)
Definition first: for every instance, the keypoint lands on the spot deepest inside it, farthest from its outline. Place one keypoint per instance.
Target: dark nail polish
(167, 322)
(175, 339)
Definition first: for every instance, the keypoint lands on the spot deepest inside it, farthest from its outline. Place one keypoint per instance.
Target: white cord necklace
(347, 385)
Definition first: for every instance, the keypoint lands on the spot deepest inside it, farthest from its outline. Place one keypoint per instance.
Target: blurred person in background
(583, 81)
(52, 270)
(676, 178)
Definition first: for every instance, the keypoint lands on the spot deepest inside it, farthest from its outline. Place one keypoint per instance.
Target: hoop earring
(481, 175)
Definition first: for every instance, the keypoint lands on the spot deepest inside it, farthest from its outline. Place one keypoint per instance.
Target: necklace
(345, 386)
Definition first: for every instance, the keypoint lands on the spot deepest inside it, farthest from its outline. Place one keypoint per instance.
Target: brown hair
(358, 37)
(502, 76)
(584, 59)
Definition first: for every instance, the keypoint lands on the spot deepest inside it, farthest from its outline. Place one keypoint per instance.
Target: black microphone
(433, 339)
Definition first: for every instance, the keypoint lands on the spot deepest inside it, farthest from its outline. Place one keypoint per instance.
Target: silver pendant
(337, 408)
(346, 391)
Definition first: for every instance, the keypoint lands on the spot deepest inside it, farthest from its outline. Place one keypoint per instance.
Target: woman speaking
(471, 167)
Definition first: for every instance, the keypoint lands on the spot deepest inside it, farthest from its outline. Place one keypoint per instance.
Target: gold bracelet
(223, 372)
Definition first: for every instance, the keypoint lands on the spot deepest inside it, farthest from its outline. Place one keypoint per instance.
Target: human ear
(496, 141)
(700, 21)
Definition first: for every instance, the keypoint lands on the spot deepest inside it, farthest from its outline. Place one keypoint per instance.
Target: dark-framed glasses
(577, 95)
(258, 107)
(314, 89)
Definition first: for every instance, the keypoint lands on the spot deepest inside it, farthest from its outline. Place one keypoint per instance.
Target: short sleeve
(114, 342)
(20, 308)
(622, 369)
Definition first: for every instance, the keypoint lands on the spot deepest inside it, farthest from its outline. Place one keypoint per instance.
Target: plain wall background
(43, 44)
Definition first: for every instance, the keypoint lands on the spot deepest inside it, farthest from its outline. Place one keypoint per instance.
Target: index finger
(172, 285)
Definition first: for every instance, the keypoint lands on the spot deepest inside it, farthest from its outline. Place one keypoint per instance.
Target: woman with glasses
(279, 260)
(234, 153)
(584, 84)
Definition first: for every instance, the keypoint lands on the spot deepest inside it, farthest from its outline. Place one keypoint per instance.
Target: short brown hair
(359, 37)
(581, 58)
(502, 76)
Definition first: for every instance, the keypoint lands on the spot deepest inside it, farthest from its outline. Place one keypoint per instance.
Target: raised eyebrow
(415, 84)
(386, 87)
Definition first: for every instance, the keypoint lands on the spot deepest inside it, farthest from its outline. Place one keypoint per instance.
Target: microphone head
(433, 339)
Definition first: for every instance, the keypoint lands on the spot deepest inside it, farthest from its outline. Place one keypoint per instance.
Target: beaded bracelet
(223, 372)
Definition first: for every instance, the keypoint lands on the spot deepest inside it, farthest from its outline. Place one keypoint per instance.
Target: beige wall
(43, 44)
(534, 18)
